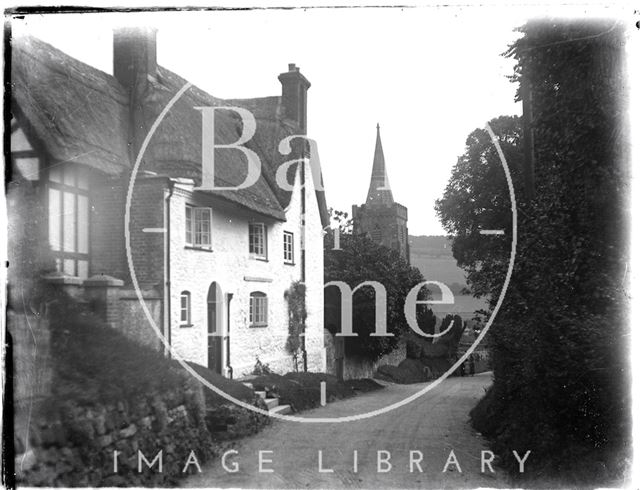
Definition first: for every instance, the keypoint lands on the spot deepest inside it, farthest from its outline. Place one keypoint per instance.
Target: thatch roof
(81, 114)
(77, 112)
(176, 147)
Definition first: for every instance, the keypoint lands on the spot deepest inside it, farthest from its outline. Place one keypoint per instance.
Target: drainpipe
(167, 257)
(303, 262)
(228, 339)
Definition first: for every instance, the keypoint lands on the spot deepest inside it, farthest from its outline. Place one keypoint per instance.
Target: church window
(376, 233)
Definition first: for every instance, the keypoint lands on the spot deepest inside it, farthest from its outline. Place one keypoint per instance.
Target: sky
(429, 76)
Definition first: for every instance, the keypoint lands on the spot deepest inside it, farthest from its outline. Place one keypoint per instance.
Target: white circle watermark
(293, 418)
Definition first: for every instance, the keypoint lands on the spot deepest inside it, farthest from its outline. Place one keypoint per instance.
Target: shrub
(359, 260)
(302, 390)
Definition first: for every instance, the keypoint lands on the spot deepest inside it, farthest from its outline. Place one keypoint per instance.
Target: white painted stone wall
(230, 265)
(316, 356)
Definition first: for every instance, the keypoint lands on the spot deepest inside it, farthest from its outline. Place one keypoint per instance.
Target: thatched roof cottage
(212, 265)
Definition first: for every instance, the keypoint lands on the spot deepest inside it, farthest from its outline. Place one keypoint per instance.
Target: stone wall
(73, 445)
(134, 322)
(66, 436)
(386, 225)
(357, 368)
(30, 338)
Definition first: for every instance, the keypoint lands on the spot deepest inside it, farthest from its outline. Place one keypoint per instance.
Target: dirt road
(426, 430)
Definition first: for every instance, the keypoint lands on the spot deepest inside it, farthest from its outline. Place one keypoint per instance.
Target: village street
(435, 424)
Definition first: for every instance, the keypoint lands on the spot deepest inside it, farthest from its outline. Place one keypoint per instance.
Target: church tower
(380, 217)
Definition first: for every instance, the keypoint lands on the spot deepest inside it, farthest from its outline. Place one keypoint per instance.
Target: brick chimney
(134, 57)
(134, 66)
(294, 96)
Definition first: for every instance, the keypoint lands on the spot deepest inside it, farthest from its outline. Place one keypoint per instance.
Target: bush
(302, 390)
(359, 260)
(233, 388)
(95, 363)
(407, 372)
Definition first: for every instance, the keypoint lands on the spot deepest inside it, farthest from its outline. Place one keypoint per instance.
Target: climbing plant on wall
(296, 300)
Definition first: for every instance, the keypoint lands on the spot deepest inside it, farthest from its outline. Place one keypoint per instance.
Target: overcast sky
(428, 75)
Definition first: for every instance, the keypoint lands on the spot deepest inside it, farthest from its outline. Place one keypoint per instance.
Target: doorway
(214, 328)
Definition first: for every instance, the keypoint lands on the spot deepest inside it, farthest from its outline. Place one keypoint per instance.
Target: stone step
(261, 394)
(281, 409)
(271, 402)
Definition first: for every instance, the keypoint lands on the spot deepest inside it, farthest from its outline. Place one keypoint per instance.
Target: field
(433, 256)
(443, 269)
(464, 305)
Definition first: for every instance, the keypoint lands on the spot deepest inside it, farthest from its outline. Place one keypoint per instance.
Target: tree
(360, 259)
(452, 338)
(558, 344)
(477, 198)
(342, 221)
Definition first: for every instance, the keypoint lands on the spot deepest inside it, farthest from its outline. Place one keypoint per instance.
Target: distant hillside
(430, 245)
(433, 256)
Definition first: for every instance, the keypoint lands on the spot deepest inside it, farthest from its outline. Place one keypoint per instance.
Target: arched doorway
(214, 328)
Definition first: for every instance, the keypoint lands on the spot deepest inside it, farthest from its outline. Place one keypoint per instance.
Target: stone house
(212, 265)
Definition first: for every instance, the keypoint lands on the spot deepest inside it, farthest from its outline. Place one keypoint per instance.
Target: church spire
(379, 188)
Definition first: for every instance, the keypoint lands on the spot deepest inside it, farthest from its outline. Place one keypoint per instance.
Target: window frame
(265, 245)
(191, 232)
(69, 187)
(376, 233)
(255, 298)
(290, 235)
(185, 322)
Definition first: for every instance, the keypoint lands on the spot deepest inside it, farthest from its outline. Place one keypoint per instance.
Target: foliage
(261, 368)
(341, 221)
(560, 377)
(302, 390)
(409, 371)
(296, 301)
(452, 338)
(95, 364)
(476, 198)
(359, 260)
(104, 387)
(230, 387)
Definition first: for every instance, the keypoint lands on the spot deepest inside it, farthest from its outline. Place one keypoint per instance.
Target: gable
(19, 140)
(25, 161)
